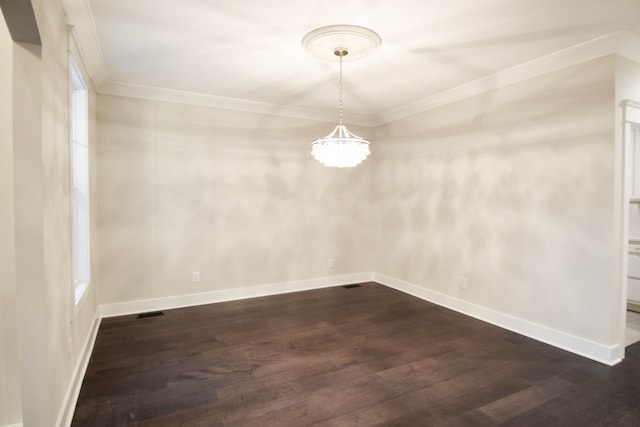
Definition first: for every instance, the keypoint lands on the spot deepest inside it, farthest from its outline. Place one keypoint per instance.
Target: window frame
(80, 191)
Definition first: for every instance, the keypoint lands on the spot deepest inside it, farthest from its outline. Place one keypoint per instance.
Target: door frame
(630, 123)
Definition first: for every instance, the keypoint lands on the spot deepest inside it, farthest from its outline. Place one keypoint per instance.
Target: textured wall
(52, 330)
(10, 410)
(234, 196)
(68, 325)
(512, 189)
(627, 80)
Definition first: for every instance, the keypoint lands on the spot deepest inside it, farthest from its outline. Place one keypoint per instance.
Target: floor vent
(150, 314)
(351, 286)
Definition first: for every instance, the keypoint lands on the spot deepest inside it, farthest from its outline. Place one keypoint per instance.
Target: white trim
(608, 44)
(225, 103)
(609, 355)
(73, 391)
(79, 112)
(622, 198)
(79, 13)
(188, 300)
(622, 42)
(580, 53)
(80, 17)
(12, 425)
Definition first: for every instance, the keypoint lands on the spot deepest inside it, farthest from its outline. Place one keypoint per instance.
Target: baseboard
(609, 355)
(188, 300)
(71, 397)
(12, 425)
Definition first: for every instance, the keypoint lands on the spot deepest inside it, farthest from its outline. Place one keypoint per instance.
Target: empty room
(252, 213)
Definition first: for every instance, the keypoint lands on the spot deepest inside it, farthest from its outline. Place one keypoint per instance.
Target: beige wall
(68, 326)
(31, 290)
(10, 409)
(627, 80)
(511, 189)
(52, 331)
(235, 196)
(514, 190)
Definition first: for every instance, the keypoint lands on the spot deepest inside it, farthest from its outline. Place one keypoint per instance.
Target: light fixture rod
(340, 52)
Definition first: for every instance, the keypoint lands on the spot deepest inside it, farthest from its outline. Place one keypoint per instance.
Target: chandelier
(341, 148)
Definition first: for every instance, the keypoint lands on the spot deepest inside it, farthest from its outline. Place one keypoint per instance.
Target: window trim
(77, 83)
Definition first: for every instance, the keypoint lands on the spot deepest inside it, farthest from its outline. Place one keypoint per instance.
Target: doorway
(631, 223)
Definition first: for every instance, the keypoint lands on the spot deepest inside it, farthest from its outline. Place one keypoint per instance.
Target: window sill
(80, 291)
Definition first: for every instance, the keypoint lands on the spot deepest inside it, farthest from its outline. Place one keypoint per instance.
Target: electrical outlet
(463, 282)
(195, 277)
(331, 263)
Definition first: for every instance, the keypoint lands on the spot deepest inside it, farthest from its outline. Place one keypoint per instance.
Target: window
(81, 244)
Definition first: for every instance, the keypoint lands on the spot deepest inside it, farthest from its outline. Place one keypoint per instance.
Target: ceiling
(248, 53)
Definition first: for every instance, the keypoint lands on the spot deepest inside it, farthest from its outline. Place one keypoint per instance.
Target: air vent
(150, 314)
(351, 286)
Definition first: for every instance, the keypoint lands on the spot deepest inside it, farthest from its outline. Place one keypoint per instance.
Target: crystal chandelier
(341, 148)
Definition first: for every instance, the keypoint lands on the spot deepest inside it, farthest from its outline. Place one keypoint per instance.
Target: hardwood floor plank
(367, 356)
(524, 400)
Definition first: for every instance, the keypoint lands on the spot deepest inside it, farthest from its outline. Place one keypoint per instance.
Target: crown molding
(80, 17)
(625, 42)
(235, 104)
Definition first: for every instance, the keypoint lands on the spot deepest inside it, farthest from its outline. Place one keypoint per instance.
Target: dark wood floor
(340, 357)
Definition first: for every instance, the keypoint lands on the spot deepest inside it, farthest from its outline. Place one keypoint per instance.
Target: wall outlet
(195, 277)
(331, 263)
(463, 282)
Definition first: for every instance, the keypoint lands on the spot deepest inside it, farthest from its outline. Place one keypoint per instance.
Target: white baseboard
(609, 355)
(12, 425)
(71, 397)
(188, 300)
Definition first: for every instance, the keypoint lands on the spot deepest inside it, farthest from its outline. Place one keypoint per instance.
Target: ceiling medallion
(323, 41)
(341, 148)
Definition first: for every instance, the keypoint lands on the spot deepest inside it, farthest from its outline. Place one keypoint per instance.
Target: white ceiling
(249, 50)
